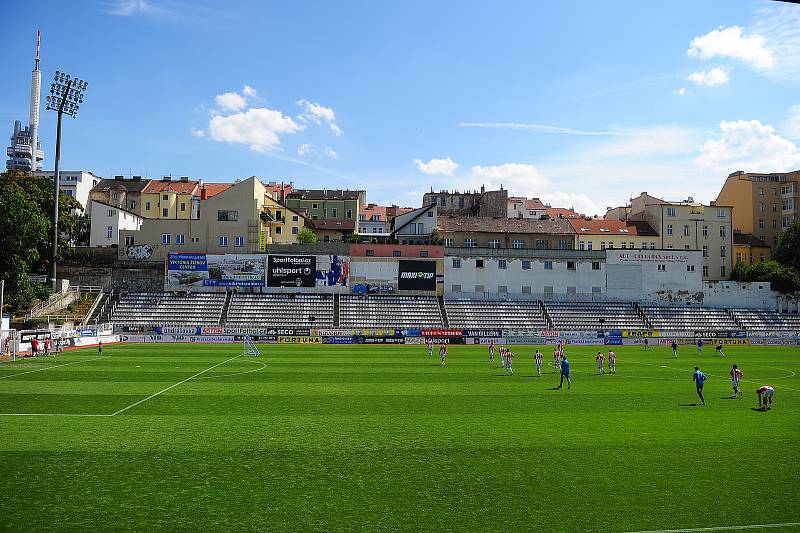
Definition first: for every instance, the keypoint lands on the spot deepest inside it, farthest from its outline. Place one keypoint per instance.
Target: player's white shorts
(767, 393)
(735, 383)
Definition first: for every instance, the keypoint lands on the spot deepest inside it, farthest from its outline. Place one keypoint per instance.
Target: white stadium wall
(654, 274)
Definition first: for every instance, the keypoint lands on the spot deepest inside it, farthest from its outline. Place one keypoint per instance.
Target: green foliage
(306, 236)
(353, 238)
(783, 278)
(379, 439)
(787, 250)
(26, 204)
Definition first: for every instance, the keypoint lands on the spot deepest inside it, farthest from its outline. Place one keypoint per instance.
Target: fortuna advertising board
(291, 271)
(416, 275)
(299, 340)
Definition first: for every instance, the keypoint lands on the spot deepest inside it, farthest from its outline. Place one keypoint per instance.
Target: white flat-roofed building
(107, 221)
(75, 183)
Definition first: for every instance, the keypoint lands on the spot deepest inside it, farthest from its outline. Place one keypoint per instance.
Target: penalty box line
(162, 391)
(720, 528)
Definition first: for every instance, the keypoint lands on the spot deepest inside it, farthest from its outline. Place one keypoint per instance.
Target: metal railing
(91, 310)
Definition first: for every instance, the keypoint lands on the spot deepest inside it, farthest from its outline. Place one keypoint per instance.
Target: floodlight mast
(66, 95)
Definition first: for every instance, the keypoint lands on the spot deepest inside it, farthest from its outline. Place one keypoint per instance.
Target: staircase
(336, 310)
(223, 318)
(545, 314)
(643, 316)
(443, 312)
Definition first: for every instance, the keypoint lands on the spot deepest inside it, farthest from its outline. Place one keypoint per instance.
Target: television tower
(25, 152)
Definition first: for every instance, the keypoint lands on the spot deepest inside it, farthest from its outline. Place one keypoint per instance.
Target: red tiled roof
(212, 189)
(373, 209)
(554, 212)
(599, 226)
(334, 224)
(180, 187)
(748, 240)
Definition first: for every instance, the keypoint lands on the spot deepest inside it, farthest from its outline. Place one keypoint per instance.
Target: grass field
(368, 438)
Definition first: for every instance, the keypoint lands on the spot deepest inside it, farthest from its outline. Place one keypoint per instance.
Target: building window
(180, 238)
(774, 224)
(295, 230)
(396, 253)
(685, 230)
(597, 290)
(295, 218)
(423, 253)
(456, 262)
(581, 245)
(526, 265)
(115, 196)
(502, 264)
(565, 245)
(548, 265)
(595, 265)
(624, 245)
(738, 257)
(147, 206)
(761, 191)
(223, 240)
(542, 244)
(705, 250)
(110, 213)
(480, 288)
(670, 211)
(430, 214)
(349, 213)
(518, 244)
(165, 238)
(589, 245)
(610, 245)
(479, 263)
(314, 206)
(133, 205)
(774, 208)
(494, 243)
(227, 216)
(470, 243)
(502, 289)
(526, 289)
(705, 271)
(570, 265)
(722, 231)
(722, 251)
(662, 268)
(689, 268)
(652, 246)
(602, 245)
(456, 288)
(669, 229)
(128, 240)
(761, 258)
(165, 197)
(277, 230)
(548, 290)
(164, 211)
(723, 271)
(448, 242)
(761, 223)
(109, 232)
(334, 212)
(761, 207)
(183, 206)
(238, 241)
(572, 290)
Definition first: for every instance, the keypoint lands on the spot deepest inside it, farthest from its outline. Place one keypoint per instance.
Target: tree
(306, 236)
(782, 278)
(787, 250)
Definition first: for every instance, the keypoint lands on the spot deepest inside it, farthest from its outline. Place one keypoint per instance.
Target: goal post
(9, 344)
(249, 348)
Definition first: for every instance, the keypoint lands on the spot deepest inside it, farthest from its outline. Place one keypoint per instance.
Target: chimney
(119, 178)
(166, 178)
(203, 194)
(483, 189)
(135, 178)
(184, 178)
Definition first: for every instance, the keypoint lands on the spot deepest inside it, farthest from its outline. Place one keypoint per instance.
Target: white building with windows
(107, 221)
(75, 183)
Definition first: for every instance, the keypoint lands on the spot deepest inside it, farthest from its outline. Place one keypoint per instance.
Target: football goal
(9, 344)
(249, 347)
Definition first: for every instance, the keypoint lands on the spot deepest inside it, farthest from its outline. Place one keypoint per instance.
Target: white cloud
(545, 128)
(749, 146)
(791, 126)
(440, 167)
(249, 91)
(314, 113)
(680, 92)
(715, 76)
(330, 152)
(305, 149)
(197, 132)
(230, 101)
(259, 128)
(731, 42)
(309, 149)
(779, 24)
(525, 180)
(126, 8)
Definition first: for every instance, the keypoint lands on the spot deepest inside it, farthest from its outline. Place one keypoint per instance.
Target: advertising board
(291, 271)
(416, 275)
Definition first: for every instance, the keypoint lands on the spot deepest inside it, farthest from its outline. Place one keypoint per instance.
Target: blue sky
(583, 103)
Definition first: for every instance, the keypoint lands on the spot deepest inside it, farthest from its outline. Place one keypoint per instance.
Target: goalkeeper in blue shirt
(565, 372)
(699, 378)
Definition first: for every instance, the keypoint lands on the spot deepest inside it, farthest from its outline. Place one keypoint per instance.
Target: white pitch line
(131, 406)
(53, 366)
(49, 414)
(719, 528)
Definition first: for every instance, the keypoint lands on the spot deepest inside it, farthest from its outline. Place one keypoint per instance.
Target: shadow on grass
(728, 398)
(758, 409)
(554, 388)
(689, 405)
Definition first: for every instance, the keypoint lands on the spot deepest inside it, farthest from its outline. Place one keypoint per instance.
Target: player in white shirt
(600, 359)
(509, 360)
(557, 360)
(430, 346)
(612, 362)
(537, 358)
(443, 352)
(491, 351)
(503, 351)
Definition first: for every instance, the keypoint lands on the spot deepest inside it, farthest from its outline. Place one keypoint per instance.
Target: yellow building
(749, 249)
(168, 199)
(600, 234)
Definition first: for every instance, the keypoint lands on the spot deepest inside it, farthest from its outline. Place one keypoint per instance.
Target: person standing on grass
(565, 373)
(699, 346)
(675, 349)
(646, 345)
(34, 346)
(765, 393)
(699, 378)
(429, 342)
(491, 351)
(46, 343)
(443, 352)
(718, 351)
(612, 362)
(509, 360)
(537, 358)
(736, 376)
(599, 360)
(99, 347)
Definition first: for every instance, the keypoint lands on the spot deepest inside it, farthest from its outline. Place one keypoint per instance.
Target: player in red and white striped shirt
(600, 358)
(736, 376)
(537, 358)
(612, 362)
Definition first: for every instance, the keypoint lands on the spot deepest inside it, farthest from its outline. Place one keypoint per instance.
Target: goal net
(9, 344)
(250, 348)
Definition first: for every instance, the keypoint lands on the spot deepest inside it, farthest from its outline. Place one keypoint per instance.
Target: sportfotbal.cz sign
(416, 275)
(291, 271)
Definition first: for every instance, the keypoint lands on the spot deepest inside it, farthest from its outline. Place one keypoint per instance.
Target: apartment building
(602, 234)
(75, 183)
(763, 204)
(171, 199)
(481, 203)
(521, 207)
(325, 204)
(121, 192)
(514, 233)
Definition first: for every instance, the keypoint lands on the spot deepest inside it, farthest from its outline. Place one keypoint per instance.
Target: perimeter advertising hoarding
(416, 275)
(186, 271)
(291, 271)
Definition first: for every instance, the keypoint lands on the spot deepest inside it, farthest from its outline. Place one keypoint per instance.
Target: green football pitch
(370, 438)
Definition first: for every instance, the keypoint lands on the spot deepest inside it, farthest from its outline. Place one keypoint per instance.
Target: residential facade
(416, 226)
(323, 204)
(107, 222)
(75, 183)
(171, 199)
(519, 233)
(372, 221)
(521, 207)
(121, 192)
(749, 249)
(481, 203)
(602, 234)
(688, 225)
(763, 204)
